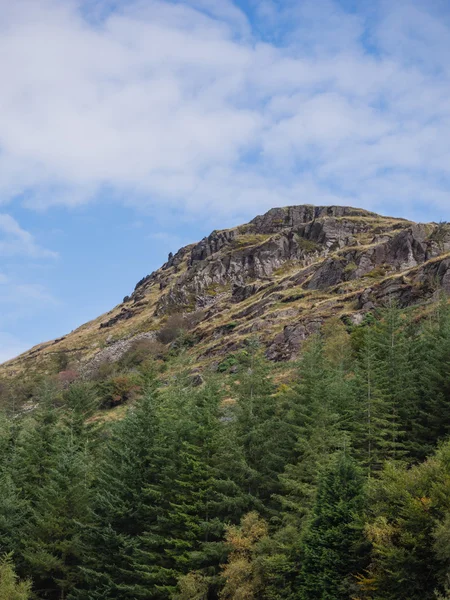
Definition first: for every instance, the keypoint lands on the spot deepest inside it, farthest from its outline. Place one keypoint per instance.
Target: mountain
(278, 277)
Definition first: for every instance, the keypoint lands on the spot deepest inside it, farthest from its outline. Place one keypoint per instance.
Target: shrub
(104, 370)
(230, 326)
(140, 351)
(118, 390)
(177, 325)
(61, 361)
(65, 378)
(227, 363)
(10, 586)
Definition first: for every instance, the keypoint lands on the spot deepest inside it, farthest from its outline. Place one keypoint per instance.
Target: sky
(129, 128)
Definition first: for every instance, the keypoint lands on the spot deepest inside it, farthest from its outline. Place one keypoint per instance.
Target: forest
(332, 484)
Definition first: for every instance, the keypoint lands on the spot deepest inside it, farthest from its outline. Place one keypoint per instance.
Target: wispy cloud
(196, 105)
(14, 240)
(19, 300)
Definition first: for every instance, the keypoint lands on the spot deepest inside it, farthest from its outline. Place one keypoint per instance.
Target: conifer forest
(331, 484)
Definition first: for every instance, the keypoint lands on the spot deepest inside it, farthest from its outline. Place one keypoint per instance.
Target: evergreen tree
(262, 428)
(10, 587)
(242, 577)
(333, 546)
(430, 422)
(51, 546)
(385, 387)
(319, 433)
(121, 510)
(36, 448)
(200, 493)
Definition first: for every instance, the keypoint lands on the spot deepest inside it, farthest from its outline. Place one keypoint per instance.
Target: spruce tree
(10, 587)
(51, 548)
(333, 546)
(197, 492)
(319, 431)
(264, 429)
(121, 509)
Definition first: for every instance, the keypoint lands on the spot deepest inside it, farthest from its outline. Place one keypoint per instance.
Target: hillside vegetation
(333, 483)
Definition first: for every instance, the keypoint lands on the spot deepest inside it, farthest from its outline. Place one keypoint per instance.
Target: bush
(230, 326)
(140, 351)
(118, 390)
(350, 268)
(379, 271)
(227, 363)
(177, 325)
(104, 370)
(65, 378)
(61, 361)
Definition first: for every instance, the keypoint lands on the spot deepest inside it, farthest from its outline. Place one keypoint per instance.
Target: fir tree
(10, 587)
(319, 433)
(332, 548)
(51, 546)
(121, 510)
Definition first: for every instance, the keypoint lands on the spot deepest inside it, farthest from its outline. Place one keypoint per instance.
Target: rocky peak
(280, 276)
(293, 216)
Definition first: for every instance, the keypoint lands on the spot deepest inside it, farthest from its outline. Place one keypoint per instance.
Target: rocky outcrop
(287, 344)
(113, 352)
(280, 276)
(294, 216)
(319, 249)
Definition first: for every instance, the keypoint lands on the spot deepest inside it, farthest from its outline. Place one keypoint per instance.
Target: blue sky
(129, 128)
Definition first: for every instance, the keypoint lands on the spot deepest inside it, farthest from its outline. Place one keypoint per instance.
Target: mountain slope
(279, 277)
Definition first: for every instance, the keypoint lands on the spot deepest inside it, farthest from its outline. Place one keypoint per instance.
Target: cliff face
(279, 277)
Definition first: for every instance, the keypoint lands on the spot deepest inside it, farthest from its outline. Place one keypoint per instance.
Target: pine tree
(333, 545)
(319, 431)
(430, 421)
(12, 505)
(200, 492)
(264, 430)
(385, 386)
(121, 509)
(80, 404)
(36, 448)
(10, 587)
(51, 546)
(371, 434)
(13, 511)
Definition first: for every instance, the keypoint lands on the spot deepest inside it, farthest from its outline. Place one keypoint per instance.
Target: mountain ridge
(280, 277)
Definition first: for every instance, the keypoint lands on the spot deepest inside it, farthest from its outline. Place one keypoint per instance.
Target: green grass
(307, 245)
(249, 239)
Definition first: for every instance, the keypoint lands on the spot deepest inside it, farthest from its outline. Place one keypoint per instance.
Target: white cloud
(14, 240)
(180, 102)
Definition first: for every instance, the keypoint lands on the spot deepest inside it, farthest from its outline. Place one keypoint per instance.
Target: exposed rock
(290, 269)
(242, 292)
(125, 313)
(287, 344)
(197, 380)
(113, 352)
